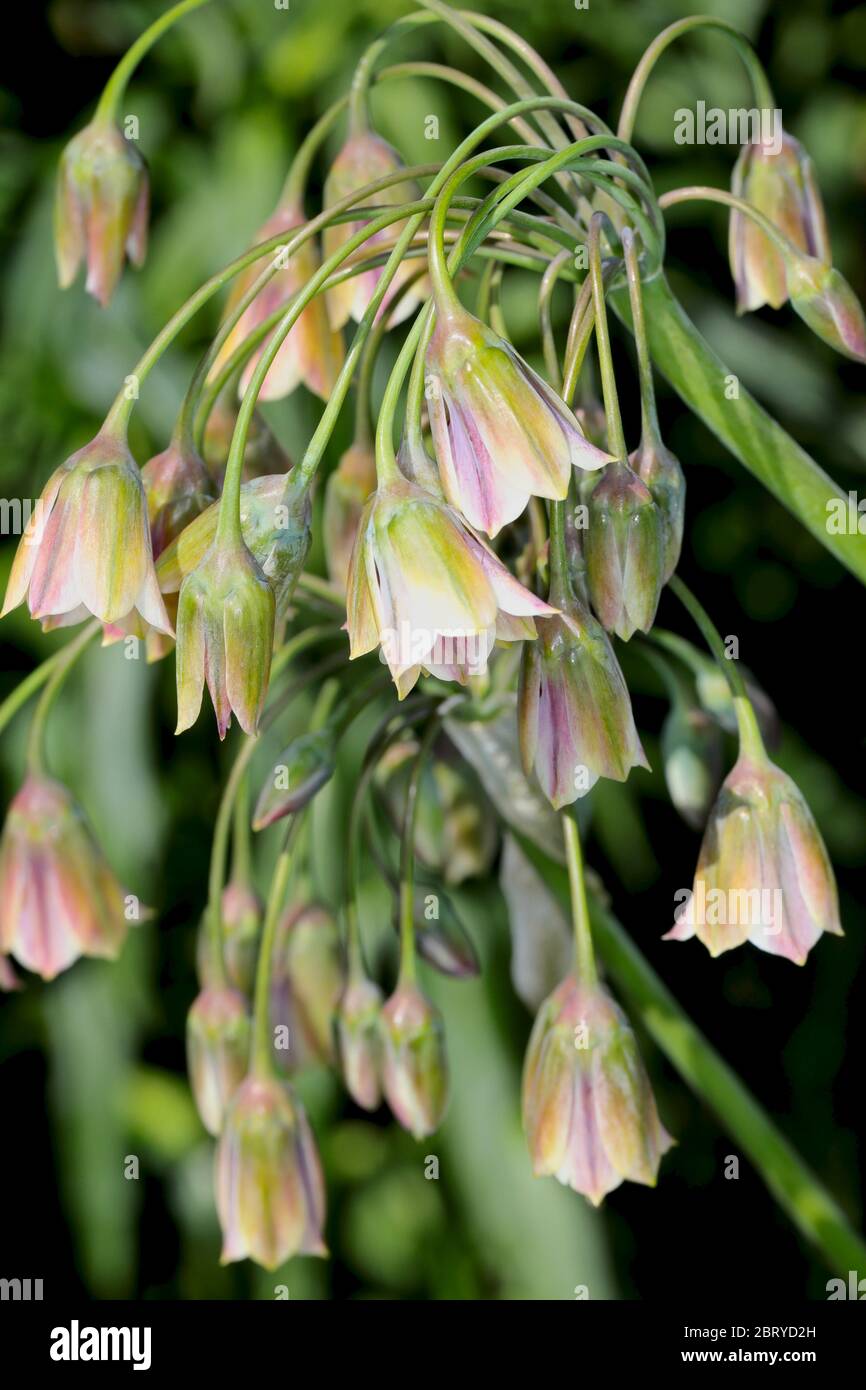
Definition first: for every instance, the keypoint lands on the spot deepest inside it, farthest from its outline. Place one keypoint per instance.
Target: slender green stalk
(797, 1190)
(116, 85)
(704, 193)
(650, 431)
(545, 296)
(750, 735)
(584, 952)
(760, 85)
(57, 677)
(261, 1048)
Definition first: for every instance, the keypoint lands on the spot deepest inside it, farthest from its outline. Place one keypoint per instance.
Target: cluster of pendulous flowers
(447, 553)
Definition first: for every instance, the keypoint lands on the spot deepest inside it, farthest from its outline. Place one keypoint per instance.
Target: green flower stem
(222, 826)
(649, 413)
(703, 382)
(116, 85)
(584, 953)
(560, 589)
(703, 193)
(407, 860)
(295, 186)
(18, 697)
(545, 296)
(760, 85)
(751, 742)
(60, 669)
(261, 1048)
(579, 334)
(797, 1190)
(363, 434)
(241, 871)
(616, 438)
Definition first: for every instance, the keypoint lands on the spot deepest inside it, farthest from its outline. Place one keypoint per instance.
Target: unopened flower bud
(414, 1061)
(358, 1041)
(310, 976)
(662, 472)
(780, 184)
(624, 549)
(270, 1193)
(588, 1109)
(217, 1050)
(826, 302)
(300, 771)
(101, 208)
(763, 872)
(178, 488)
(225, 636)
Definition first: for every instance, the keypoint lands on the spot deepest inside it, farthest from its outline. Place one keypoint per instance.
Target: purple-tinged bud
(241, 921)
(217, 1051)
(501, 434)
(101, 208)
(414, 1061)
(763, 872)
(225, 637)
(178, 488)
(662, 472)
(588, 1109)
(87, 547)
(624, 549)
(364, 159)
(300, 771)
(780, 184)
(574, 712)
(826, 302)
(270, 1194)
(312, 352)
(440, 936)
(58, 898)
(358, 1041)
(692, 748)
(346, 491)
(307, 982)
(275, 532)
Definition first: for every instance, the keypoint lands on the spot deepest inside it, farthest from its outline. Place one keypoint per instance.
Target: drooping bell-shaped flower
(763, 872)
(270, 1194)
(662, 472)
(364, 159)
(414, 1061)
(826, 302)
(574, 712)
(101, 208)
(588, 1109)
(312, 353)
(780, 184)
(225, 637)
(359, 1041)
(427, 590)
(178, 488)
(623, 547)
(87, 548)
(276, 533)
(217, 1050)
(58, 898)
(346, 491)
(501, 434)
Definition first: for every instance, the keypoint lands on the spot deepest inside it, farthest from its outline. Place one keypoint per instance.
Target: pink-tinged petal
(53, 584)
(511, 595)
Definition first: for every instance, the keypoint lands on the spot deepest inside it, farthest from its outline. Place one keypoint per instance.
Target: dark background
(93, 1065)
